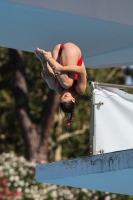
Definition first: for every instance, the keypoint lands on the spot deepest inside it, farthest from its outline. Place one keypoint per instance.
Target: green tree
(35, 131)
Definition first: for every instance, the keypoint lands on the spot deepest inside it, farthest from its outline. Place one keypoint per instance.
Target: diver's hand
(57, 70)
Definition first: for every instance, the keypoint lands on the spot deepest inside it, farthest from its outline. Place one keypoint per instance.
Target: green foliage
(37, 87)
(10, 133)
(7, 107)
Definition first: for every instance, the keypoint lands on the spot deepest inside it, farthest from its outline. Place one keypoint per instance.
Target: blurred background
(33, 129)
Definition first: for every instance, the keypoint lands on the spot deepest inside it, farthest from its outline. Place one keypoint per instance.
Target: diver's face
(66, 96)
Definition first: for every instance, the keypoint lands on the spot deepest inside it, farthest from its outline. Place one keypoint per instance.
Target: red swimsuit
(79, 63)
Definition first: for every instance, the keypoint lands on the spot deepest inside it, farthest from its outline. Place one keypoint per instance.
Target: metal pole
(91, 122)
(111, 85)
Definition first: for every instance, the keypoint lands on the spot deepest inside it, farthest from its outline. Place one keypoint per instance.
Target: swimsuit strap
(60, 51)
(79, 63)
(61, 46)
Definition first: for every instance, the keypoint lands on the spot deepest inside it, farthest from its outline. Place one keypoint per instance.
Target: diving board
(112, 172)
(103, 29)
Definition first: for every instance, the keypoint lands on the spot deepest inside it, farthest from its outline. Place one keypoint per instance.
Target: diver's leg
(69, 57)
(47, 72)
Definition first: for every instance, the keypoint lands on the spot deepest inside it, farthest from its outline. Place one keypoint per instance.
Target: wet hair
(68, 107)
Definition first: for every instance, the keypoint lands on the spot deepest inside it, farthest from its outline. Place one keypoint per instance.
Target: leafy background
(62, 144)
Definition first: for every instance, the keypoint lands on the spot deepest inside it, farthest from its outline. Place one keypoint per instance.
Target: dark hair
(68, 107)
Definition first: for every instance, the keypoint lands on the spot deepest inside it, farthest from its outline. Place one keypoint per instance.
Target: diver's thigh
(55, 52)
(70, 54)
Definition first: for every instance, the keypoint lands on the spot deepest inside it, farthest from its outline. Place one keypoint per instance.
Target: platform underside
(111, 172)
(99, 28)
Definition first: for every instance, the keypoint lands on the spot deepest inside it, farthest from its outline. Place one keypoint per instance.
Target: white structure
(103, 29)
(111, 118)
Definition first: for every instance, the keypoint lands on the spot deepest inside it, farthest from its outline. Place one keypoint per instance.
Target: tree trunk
(35, 134)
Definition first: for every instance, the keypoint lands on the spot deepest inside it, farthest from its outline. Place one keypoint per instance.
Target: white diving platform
(103, 29)
(112, 172)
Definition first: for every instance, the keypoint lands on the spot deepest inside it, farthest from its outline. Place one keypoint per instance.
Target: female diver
(64, 71)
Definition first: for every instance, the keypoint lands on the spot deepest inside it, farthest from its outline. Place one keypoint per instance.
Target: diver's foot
(43, 55)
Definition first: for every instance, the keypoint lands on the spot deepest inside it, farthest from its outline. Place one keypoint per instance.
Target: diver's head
(67, 96)
(67, 105)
